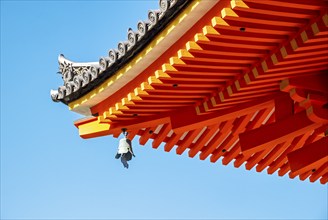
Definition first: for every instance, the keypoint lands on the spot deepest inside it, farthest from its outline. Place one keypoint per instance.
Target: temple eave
(246, 83)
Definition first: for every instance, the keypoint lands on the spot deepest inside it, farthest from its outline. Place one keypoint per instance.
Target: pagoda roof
(241, 80)
(80, 78)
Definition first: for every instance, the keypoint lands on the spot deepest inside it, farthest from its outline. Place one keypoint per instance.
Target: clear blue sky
(49, 172)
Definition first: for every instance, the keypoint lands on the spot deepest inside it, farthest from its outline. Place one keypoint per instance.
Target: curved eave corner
(80, 79)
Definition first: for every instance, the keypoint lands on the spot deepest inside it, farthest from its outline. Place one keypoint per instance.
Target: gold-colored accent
(176, 60)
(304, 36)
(200, 37)
(229, 90)
(152, 80)
(113, 111)
(284, 85)
(218, 21)
(238, 3)
(168, 67)
(247, 79)
(184, 53)
(102, 119)
(119, 106)
(138, 91)
(325, 19)
(255, 72)
(191, 45)
(209, 30)
(283, 52)
(264, 66)
(294, 45)
(237, 84)
(221, 96)
(132, 97)
(315, 28)
(228, 12)
(93, 128)
(205, 106)
(274, 59)
(197, 110)
(160, 74)
(145, 86)
(213, 101)
(126, 101)
(107, 115)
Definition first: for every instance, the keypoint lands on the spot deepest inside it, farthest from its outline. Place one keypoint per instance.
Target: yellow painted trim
(226, 12)
(205, 106)
(218, 21)
(197, 110)
(274, 59)
(255, 72)
(93, 129)
(293, 44)
(145, 86)
(264, 66)
(213, 101)
(167, 67)
(283, 52)
(209, 30)
(237, 84)
(325, 19)
(191, 45)
(315, 28)
(221, 96)
(247, 79)
(229, 90)
(200, 37)
(184, 53)
(126, 101)
(132, 96)
(238, 3)
(153, 80)
(139, 57)
(304, 36)
(160, 74)
(176, 60)
(119, 106)
(141, 91)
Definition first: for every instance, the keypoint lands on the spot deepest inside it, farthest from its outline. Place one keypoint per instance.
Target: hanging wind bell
(124, 150)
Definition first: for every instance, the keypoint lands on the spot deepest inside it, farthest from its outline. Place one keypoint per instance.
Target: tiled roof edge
(81, 78)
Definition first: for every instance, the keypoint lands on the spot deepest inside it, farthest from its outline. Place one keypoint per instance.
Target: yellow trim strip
(140, 56)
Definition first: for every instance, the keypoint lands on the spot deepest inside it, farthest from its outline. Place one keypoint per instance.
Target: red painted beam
(324, 179)
(319, 172)
(284, 106)
(317, 114)
(161, 135)
(186, 142)
(313, 82)
(144, 137)
(208, 133)
(172, 141)
(309, 157)
(282, 159)
(217, 139)
(188, 119)
(141, 122)
(272, 134)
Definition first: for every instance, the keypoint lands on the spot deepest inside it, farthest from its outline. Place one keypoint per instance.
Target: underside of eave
(249, 87)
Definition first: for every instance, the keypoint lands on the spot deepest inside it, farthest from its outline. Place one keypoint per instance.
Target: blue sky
(49, 172)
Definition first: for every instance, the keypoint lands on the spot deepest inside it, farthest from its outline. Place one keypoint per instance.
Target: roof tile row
(80, 78)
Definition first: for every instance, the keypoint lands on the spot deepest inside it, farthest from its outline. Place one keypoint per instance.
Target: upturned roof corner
(80, 78)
